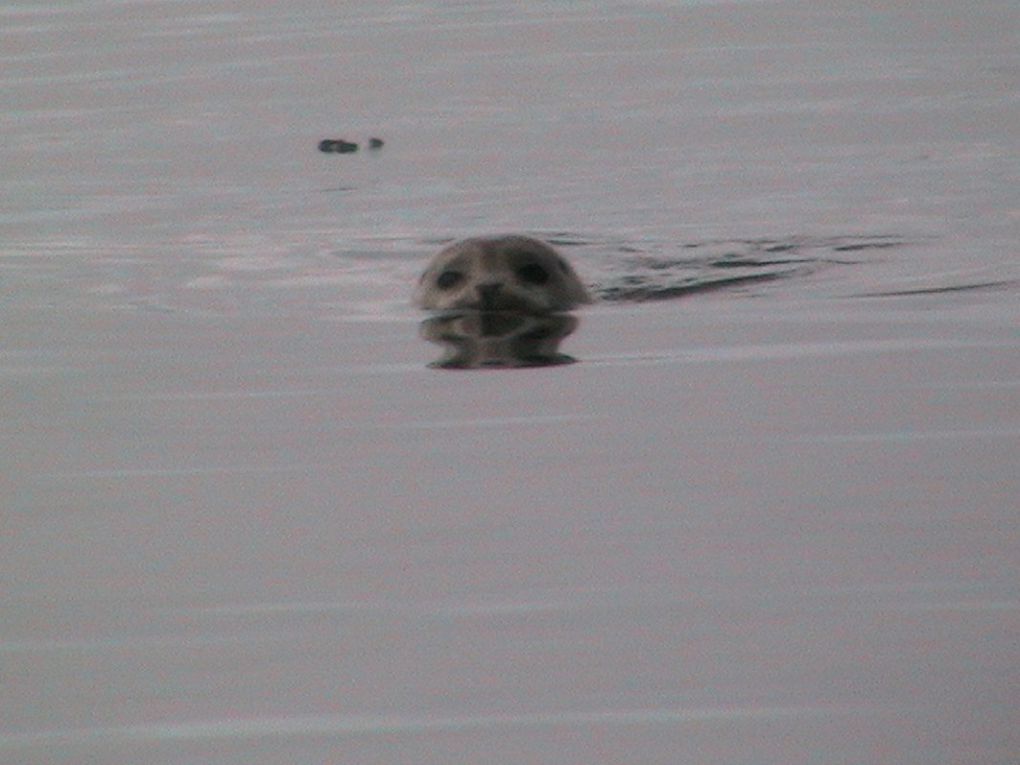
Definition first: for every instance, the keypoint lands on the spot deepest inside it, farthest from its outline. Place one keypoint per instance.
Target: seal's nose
(488, 292)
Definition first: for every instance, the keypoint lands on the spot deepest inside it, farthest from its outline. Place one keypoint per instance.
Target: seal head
(504, 273)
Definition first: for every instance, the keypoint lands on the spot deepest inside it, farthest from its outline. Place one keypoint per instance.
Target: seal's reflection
(498, 339)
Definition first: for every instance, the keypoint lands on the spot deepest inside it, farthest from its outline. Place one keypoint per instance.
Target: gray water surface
(769, 516)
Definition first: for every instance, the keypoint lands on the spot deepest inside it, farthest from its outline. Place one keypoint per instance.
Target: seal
(500, 273)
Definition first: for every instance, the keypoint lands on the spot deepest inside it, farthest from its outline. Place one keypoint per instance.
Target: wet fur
(503, 273)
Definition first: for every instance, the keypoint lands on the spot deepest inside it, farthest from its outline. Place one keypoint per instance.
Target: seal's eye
(533, 274)
(449, 279)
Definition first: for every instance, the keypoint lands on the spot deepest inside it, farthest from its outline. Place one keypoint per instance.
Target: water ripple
(377, 725)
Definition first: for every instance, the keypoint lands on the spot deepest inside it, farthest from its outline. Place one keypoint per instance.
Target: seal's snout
(489, 292)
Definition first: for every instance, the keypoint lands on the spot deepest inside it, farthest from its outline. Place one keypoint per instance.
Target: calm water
(769, 523)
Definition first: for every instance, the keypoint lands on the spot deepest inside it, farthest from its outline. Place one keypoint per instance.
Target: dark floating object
(340, 146)
(337, 146)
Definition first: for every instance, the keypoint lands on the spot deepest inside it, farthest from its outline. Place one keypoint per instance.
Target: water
(769, 522)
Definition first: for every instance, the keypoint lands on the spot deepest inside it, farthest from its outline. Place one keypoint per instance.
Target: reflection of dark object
(337, 146)
(375, 143)
(498, 339)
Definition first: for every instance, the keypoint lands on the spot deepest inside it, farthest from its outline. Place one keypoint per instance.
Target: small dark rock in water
(375, 143)
(337, 146)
